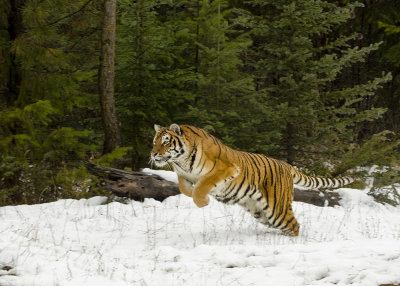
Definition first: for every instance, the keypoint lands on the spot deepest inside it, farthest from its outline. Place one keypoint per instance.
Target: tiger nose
(153, 154)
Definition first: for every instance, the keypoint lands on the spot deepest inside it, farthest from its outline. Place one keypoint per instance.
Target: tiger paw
(201, 202)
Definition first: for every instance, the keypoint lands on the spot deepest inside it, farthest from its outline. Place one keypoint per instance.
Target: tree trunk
(138, 186)
(133, 185)
(15, 29)
(106, 78)
(139, 84)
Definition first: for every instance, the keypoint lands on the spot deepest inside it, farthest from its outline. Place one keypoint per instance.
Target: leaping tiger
(205, 166)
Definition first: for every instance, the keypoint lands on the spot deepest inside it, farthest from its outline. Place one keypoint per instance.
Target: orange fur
(205, 166)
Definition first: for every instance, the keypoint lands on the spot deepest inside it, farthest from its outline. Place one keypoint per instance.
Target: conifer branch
(72, 14)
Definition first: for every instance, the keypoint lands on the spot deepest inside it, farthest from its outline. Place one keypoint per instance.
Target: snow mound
(351, 197)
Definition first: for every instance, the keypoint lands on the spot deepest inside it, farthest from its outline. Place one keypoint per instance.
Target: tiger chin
(261, 185)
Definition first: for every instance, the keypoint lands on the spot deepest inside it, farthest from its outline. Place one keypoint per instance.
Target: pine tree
(154, 76)
(297, 61)
(222, 86)
(53, 66)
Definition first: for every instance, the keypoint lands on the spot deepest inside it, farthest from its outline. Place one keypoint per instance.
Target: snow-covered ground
(85, 242)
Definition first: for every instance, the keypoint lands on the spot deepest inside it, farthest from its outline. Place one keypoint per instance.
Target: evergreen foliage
(297, 63)
(385, 186)
(222, 87)
(51, 69)
(381, 149)
(110, 158)
(154, 78)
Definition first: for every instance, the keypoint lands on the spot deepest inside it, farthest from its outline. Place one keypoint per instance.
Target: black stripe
(284, 185)
(308, 181)
(251, 165)
(280, 222)
(273, 208)
(237, 190)
(265, 168)
(193, 158)
(215, 162)
(244, 194)
(256, 165)
(228, 190)
(201, 157)
(194, 132)
(205, 133)
(270, 170)
(253, 192)
(264, 180)
(201, 169)
(280, 189)
(314, 180)
(317, 181)
(266, 177)
(219, 151)
(179, 143)
(179, 154)
(194, 149)
(288, 222)
(242, 182)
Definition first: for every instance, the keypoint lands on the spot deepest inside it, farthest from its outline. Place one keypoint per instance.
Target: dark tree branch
(71, 14)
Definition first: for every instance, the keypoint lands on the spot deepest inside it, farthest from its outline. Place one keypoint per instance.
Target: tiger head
(168, 145)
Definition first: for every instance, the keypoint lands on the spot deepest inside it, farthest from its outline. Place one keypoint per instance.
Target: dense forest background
(314, 83)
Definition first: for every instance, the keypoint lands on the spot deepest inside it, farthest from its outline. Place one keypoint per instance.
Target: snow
(167, 175)
(88, 242)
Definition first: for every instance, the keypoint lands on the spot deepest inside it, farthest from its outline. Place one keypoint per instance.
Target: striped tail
(316, 182)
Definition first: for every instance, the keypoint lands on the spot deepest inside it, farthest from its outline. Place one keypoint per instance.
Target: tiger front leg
(221, 172)
(185, 186)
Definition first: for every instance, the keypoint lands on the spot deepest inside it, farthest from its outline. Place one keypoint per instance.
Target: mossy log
(139, 185)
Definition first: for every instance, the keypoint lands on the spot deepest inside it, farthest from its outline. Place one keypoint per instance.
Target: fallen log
(139, 185)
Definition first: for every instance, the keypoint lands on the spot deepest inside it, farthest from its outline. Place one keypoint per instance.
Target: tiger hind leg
(288, 223)
(285, 222)
(279, 211)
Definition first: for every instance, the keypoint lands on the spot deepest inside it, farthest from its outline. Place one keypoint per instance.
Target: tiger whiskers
(151, 163)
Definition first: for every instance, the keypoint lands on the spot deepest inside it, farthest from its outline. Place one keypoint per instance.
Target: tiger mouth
(160, 162)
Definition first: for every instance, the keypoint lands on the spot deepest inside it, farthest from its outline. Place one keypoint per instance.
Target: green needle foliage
(298, 62)
(49, 72)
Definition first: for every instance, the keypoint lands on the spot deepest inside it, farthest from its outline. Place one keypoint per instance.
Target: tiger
(263, 186)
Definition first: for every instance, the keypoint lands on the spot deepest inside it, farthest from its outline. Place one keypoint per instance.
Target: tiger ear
(175, 128)
(157, 127)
